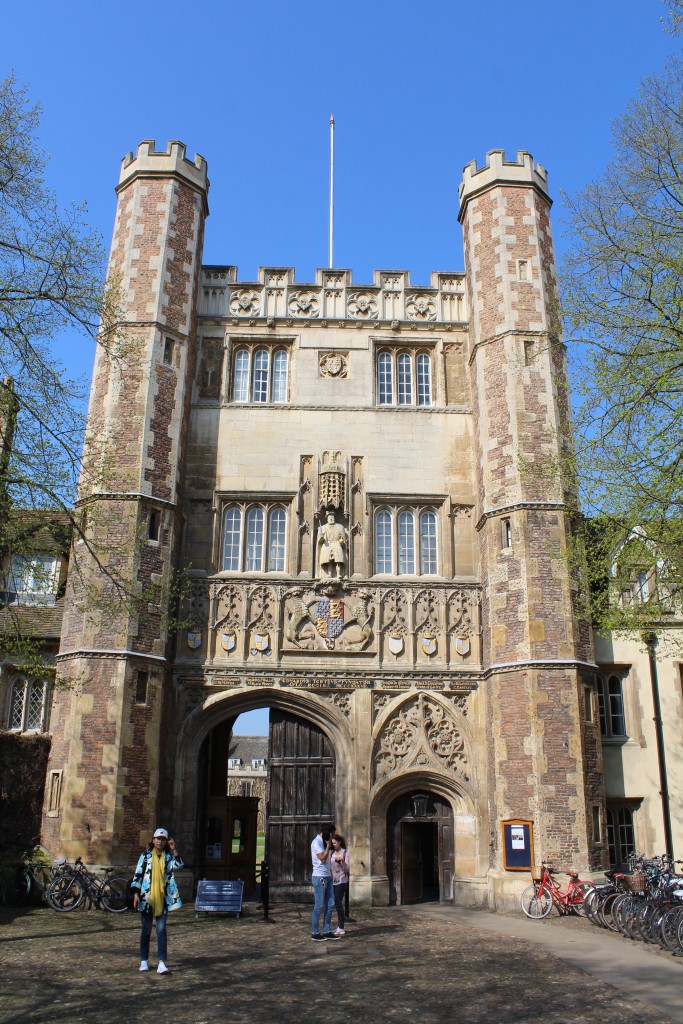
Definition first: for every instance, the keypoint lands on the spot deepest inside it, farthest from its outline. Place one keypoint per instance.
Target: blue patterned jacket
(142, 880)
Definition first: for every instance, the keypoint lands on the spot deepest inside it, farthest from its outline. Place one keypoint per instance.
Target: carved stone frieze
(421, 307)
(421, 732)
(341, 701)
(379, 702)
(462, 613)
(245, 302)
(304, 304)
(460, 701)
(362, 306)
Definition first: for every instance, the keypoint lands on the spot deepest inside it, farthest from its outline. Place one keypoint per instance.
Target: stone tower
(543, 764)
(114, 649)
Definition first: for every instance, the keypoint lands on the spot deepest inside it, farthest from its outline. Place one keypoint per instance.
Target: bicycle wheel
(670, 924)
(624, 915)
(113, 895)
(577, 901)
(536, 902)
(608, 908)
(16, 890)
(65, 893)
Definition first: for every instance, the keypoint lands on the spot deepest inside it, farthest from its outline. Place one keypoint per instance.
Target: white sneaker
(162, 968)
(339, 931)
(144, 966)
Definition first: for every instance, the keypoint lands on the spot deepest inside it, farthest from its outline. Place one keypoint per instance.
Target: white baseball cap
(161, 832)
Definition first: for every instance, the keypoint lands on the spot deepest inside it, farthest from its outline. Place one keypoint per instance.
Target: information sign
(218, 897)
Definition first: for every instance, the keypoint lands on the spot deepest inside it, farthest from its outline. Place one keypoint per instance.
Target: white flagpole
(331, 190)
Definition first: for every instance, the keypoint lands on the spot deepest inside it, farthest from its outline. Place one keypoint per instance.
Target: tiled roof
(248, 747)
(37, 622)
(41, 531)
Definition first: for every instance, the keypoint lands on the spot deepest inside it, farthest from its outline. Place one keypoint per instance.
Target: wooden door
(411, 862)
(301, 795)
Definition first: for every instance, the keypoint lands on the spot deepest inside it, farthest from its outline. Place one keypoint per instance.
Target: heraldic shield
(194, 639)
(229, 640)
(329, 620)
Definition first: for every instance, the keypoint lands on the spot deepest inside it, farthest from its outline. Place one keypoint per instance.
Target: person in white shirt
(323, 892)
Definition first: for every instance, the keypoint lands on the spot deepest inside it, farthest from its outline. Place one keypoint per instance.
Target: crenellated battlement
(499, 171)
(170, 162)
(333, 296)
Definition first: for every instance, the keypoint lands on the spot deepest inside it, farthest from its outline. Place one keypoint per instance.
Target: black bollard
(347, 915)
(265, 888)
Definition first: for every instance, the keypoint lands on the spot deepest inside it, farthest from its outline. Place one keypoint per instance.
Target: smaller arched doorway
(420, 848)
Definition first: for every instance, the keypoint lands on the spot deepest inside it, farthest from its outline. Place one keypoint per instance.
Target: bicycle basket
(636, 883)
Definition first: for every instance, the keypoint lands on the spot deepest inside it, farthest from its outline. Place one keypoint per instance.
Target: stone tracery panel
(421, 733)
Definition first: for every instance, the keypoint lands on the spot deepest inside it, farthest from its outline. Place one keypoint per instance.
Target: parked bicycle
(71, 890)
(539, 898)
(33, 874)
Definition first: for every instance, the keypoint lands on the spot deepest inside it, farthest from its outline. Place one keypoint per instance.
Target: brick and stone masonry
(108, 745)
(536, 652)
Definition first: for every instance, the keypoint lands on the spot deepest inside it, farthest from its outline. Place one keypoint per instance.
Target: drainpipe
(651, 643)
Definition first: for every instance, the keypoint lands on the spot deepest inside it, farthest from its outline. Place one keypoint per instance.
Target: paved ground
(426, 965)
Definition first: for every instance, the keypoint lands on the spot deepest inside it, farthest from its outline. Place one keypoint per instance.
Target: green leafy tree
(51, 286)
(623, 303)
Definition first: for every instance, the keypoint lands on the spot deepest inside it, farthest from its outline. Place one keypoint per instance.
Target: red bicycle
(539, 897)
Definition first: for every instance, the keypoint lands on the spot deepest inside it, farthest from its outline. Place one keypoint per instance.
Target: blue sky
(417, 91)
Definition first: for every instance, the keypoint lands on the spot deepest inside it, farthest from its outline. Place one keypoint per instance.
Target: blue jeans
(324, 898)
(146, 917)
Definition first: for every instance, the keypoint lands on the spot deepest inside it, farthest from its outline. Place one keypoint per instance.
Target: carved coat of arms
(329, 620)
(428, 640)
(194, 639)
(260, 643)
(462, 645)
(229, 641)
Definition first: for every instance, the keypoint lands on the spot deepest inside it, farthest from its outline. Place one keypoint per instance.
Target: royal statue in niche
(331, 549)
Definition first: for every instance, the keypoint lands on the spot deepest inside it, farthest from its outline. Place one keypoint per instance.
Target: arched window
(406, 543)
(611, 707)
(231, 539)
(260, 375)
(383, 545)
(385, 378)
(424, 379)
(616, 707)
(276, 540)
(404, 378)
(280, 376)
(627, 844)
(611, 837)
(254, 538)
(403, 549)
(240, 387)
(259, 391)
(428, 559)
(412, 373)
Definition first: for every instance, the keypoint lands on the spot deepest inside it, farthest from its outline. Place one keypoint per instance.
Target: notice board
(518, 844)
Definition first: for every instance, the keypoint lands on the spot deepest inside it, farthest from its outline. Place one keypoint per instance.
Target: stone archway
(227, 705)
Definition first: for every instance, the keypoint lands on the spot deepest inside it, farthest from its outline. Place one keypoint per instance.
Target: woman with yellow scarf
(155, 893)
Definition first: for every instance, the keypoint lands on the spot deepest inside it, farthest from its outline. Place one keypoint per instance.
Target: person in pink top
(339, 866)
